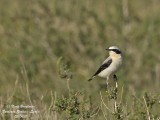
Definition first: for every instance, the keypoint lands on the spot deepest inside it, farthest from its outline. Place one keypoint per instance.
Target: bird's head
(114, 51)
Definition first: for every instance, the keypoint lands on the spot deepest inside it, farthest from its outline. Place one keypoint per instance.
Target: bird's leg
(107, 83)
(115, 78)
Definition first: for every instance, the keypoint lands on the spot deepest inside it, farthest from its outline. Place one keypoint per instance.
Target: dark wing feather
(101, 68)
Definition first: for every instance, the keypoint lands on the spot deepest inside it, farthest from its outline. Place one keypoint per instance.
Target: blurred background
(43, 41)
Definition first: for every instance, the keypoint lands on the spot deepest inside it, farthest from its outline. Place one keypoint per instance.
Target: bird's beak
(107, 49)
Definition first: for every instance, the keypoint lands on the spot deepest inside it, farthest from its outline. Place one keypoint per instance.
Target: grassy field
(50, 48)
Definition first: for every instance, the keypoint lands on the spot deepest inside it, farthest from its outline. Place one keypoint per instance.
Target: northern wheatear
(110, 66)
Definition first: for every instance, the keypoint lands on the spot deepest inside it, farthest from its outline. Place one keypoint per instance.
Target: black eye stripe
(116, 51)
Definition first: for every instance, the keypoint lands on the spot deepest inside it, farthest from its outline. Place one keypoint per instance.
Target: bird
(111, 65)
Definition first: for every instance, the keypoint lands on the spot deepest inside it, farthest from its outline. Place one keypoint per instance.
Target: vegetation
(50, 48)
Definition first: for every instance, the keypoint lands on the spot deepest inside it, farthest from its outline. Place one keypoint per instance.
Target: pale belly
(111, 70)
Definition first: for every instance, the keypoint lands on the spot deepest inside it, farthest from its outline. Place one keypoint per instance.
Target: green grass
(49, 49)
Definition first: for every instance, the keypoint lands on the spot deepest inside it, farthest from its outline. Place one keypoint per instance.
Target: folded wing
(105, 65)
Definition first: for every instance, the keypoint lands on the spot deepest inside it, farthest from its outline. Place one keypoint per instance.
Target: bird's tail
(91, 78)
